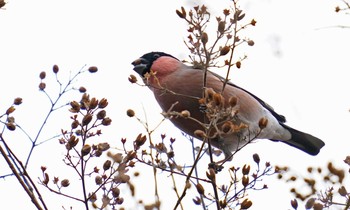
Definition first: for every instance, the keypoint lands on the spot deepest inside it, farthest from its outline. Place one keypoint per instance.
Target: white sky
(307, 81)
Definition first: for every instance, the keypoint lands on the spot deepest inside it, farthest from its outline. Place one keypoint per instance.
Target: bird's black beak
(140, 66)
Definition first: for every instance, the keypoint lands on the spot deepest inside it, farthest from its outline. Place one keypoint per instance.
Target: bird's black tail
(303, 141)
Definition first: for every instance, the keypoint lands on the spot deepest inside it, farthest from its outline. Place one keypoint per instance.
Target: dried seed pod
(103, 103)
(256, 158)
(55, 69)
(42, 85)
(200, 189)
(42, 75)
(101, 114)
(98, 180)
(245, 181)
(107, 165)
(65, 183)
(86, 119)
(246, 169)
(130, 113)
(106, 121)
(11, 126)
(82, 89)
(263, 123)
(204, 38)
(221, 26)
(132, 78)
(185, 114)
(200, 134)
(246, 204)
(85, 150)
(224, 50)
(17, 101)
(93, 69)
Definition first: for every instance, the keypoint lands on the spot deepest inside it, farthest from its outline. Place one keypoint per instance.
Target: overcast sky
(299, 65)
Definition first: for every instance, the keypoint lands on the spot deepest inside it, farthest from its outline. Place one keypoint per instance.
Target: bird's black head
(144, 63)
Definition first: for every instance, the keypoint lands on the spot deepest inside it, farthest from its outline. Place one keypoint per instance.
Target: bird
(230, 122)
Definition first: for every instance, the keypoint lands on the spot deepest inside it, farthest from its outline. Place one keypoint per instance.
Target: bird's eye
(156, 56)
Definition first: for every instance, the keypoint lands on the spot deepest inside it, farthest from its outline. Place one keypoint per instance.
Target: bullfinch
(178, 87)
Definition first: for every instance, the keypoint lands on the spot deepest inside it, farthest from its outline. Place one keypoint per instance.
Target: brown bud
(46, 179)
(342, 191)
(182, 13)
(185, 114)
(200, 189)
(103, 146)
(221, 27)
(106, 121)
(2, 3)
(204, 38)
(92, 69)
(42, 75)
(98, 180)
(211, 174)
(233, 101)
(86, 119)
(75, 107)
(65, 183)
(103, 103)
(10, 110)
(93, 103)
(218, 99)
(246, 169)
(196, 201)
(101, 114)
(318, 206)
(72, 142)
(42, 86)
(107, 165)
(310, 203)
(200, 134)
(224, 50)
(140, 140)
(250, 42)
(115, 192)
(82, 89)
(130, 113)
(263, 123)
(85, 150)
(132, 78)
(75, 124)
(43, 168)
(17, 101)
(246, 204)
(55, 69)
(11, 126)
(245, 181)
(294, 203)
(256, 158)
(223, 203)
(238, 64)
